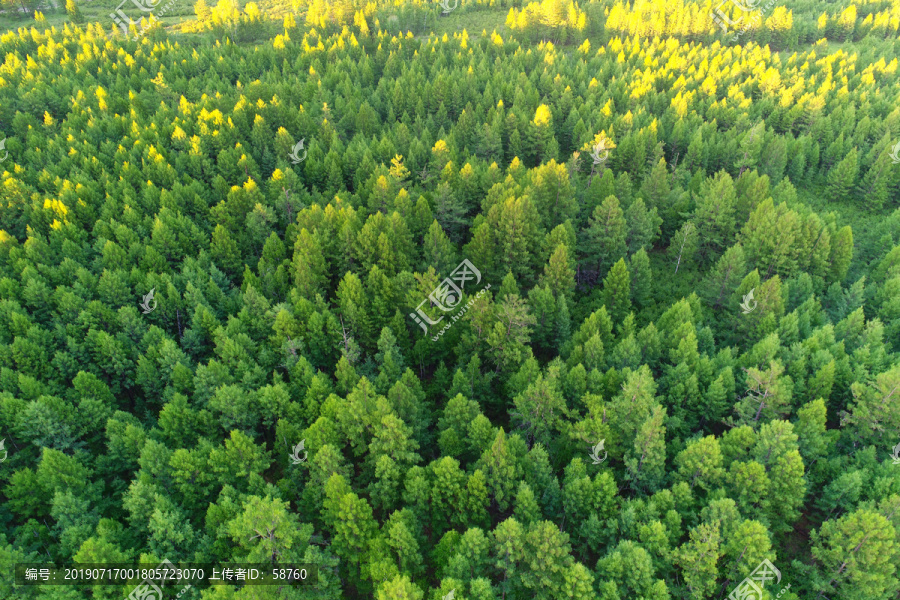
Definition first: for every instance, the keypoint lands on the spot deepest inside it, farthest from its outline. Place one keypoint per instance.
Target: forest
(493, 300)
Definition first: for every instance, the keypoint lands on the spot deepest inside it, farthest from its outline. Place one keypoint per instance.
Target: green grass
(472, 21)
(13, 20)
(97, 11)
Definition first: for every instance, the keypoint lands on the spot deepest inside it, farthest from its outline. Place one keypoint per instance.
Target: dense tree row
(284, 288)
(781, 25)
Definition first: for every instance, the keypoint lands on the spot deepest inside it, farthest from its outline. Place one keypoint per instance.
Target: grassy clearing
(472, 21)
(96, 11)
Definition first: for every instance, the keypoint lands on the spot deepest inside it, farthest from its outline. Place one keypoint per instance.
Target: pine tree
(842, 177)
(768, 395)
(543, 142)
(449, 211)
(74, 12)
(698, 557)
(852, 556)
(225, 252)
(501, 470)
(656, 187)
(646, 463)
(777, 450)
(725, 276)
(700, 464)
(578, 583)
(547, 557)
(558, 273)
(598, 190)
(399, 588)
(617, 291)
(643, 226)
(354, 307)
(438, 250)
(266, 530)
(770, 239)
(875, 184)
(641, 277)
(563, 323)
(540, 409)
(714, 215)
(309, 265)
(841, 254)
(515, 224)
(605, 236)
(526, 510)
(873, 412)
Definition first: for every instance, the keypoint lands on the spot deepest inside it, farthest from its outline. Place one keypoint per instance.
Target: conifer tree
(605, 236)
(842, 177)
(646, 463)
(74, 12)
(643, 226)
(641, 277)
(617, 291)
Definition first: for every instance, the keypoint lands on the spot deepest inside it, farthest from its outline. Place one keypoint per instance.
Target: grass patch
(96, 11)
(472, 21)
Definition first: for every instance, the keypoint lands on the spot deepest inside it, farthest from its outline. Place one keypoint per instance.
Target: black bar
(168, 575)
